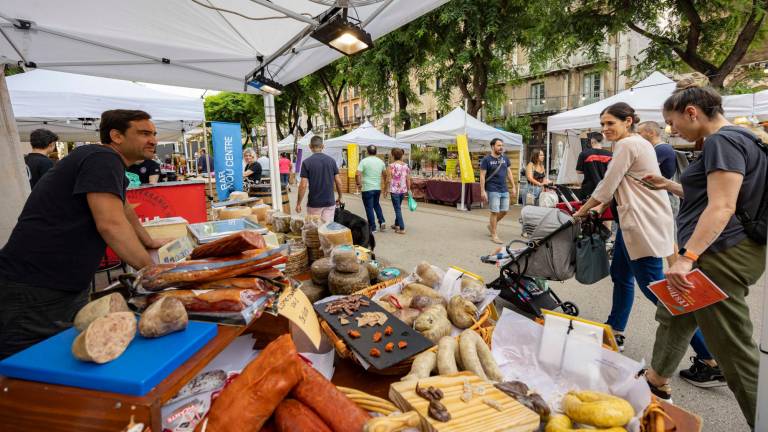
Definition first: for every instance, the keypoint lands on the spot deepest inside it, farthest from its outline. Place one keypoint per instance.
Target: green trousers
(726, 326)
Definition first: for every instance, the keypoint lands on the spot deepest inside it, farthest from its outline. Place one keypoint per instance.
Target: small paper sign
(175, 251)
(296, 307)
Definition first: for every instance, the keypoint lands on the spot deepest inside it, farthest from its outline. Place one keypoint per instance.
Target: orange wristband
(688, 254)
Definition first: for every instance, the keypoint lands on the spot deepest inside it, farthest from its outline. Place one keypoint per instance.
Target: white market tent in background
(70, 105)
(443, 131)
(286, 144)
(364, 136)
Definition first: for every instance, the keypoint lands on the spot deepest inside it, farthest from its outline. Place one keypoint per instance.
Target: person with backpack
(721, 231)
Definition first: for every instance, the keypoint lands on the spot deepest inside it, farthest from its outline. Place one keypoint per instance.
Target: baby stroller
(548, 254)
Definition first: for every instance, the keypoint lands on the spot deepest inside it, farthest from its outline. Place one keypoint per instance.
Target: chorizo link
(293, 416)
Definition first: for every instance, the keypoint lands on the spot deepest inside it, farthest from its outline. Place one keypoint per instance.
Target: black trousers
(30, 314)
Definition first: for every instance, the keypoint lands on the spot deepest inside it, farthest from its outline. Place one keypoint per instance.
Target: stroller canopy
(542, 221)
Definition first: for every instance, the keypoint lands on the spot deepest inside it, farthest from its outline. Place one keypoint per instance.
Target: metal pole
(463, 205)
(186, 151)
(208, 166)
(548, 145)
(274, 171)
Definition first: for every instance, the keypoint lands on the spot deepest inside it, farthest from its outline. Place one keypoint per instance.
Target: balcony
(582, 100)
(531, 106)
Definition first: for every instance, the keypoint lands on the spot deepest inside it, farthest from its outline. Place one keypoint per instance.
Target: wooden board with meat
(367, 328)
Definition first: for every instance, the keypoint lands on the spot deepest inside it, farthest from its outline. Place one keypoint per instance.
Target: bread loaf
(348, 283)
(344, 259)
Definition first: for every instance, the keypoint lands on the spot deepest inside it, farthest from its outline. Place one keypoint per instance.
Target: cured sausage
(477, 357)
(158, 276)
(99, 308)
(293, 416)
(164, 316)
(237, 282)
(232, 244)
(338, 412)
(106, 338)
(447, 352)
(422, 367)
(221, 300)
(248, 402)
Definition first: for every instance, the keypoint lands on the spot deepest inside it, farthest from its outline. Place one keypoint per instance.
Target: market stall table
(168, 199)
(449, 192)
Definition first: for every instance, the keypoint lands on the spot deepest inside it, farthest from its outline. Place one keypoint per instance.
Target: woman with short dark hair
(398, 179)
(726, 180)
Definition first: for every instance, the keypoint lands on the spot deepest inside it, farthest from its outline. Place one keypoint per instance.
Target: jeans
(498, 202)
(284, 179)
(645, 270)
(371, 203)
(397, 201)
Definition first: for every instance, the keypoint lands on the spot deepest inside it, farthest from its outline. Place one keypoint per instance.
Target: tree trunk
(310, 126)
(402, 103)
(333, 96)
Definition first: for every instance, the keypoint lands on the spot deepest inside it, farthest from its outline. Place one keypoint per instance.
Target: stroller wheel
(570, 308)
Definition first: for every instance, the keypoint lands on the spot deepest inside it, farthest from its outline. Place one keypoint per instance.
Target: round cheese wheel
(320, 270)
(238, 196)
(297, 224)
(344, 259)
(348, 283)
(281, 223)
(260, 211)
(313, 292)
(235, 212)
(373, 270)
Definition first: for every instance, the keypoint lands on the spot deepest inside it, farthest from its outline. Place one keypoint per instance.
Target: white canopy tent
(443, 131)
(364, 136)
(70, 105)
(214, 44)
(286, 144)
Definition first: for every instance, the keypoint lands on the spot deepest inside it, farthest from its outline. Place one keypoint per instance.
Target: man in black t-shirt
(38, 163)
(320, 174)
(592, 163)
(74, 212)
(148, 171)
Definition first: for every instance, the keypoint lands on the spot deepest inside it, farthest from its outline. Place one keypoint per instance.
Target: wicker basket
(403, 367)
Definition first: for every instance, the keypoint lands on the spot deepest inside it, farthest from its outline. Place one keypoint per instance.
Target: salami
(158, 276)
(106, 338)
(338, 412)
(246, 403)
(166, 315)
(99, 308)
(293, 416)
(238, 282)
(221, 300)
(232, 244)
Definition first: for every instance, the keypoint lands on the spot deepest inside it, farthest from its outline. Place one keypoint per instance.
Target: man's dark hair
(493, 141)
(42, 138)
(316, 142)
(371, 150)
(119, 120)
(597, 136)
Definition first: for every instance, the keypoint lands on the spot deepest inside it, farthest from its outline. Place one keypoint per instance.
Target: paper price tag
(294, 305)
(175, 251)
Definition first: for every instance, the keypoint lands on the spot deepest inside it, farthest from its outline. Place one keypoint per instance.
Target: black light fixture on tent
(260, 82)
(341, 34)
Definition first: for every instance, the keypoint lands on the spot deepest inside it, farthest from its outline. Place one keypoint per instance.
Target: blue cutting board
(145, 363)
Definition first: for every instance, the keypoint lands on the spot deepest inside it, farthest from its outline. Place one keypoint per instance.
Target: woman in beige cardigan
(646, 226)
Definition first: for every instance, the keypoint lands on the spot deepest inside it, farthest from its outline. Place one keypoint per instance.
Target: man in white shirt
(264, 162)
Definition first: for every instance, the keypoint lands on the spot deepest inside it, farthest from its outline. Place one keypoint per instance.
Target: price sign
(296, 307)
(175, 251)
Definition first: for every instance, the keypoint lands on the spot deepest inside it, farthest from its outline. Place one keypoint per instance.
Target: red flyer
(703, 294)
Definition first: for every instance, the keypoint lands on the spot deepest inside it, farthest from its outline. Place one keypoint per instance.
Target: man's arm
(511, 177)
(358, 180)
(141, 232)
(116, 229)
(302, 190)
(483, 195)
(153, 179)
(337, 182)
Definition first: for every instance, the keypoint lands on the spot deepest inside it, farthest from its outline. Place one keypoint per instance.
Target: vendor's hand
(580, 214)
(158, 243)
(676, 275)
(484, 196)
(658, 182)
(298, 208)
(339, 202)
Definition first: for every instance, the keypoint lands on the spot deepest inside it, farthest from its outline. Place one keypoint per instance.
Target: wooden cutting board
(474, 415)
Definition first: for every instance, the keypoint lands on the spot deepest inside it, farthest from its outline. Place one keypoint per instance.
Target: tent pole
(186, 151)
(548, 153)
(207, 165)
(463, 205)
(274, 169)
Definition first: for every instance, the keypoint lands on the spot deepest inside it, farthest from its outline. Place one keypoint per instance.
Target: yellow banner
(465, 162)
(450, 167)
(352, 160)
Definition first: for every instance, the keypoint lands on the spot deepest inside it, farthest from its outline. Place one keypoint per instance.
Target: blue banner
(227, 158)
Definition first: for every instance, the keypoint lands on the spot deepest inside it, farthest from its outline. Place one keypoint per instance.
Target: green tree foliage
(520, 125)
(244, 108)
(333, 79)
(471, 41)
(708, 36)
(299, 99)
(386, 70)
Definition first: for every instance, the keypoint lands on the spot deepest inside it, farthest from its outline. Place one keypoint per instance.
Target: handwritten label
(296, 307)
(176, 250)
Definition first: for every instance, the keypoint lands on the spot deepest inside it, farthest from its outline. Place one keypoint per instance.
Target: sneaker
(702, 375)
(619, 337)
(383, 227)
(662, 392)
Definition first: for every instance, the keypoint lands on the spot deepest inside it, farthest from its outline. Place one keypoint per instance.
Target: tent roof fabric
(364, 136)
(181, 42)
(59, 101)
(647, 98)
(286, 144)
(443, 131)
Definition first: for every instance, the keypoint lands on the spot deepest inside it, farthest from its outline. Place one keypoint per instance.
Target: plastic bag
(411, 202)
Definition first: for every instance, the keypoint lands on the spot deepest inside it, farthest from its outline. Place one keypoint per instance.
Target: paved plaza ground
(445, 236)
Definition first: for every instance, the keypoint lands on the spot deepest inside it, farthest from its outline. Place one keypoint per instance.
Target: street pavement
(445, 236)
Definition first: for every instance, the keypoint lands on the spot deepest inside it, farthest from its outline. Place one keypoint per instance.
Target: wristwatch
(688, 254)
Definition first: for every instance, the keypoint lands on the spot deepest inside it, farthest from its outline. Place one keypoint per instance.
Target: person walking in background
(263, 160)
(204, 162)
(148, 171)
(592, 164)
(495, 169)
(285, 169)
(38, 163)
(252, 171)
(535, 173)
(398, 179)
(320, 174)
(369, 179)
(727, 179)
